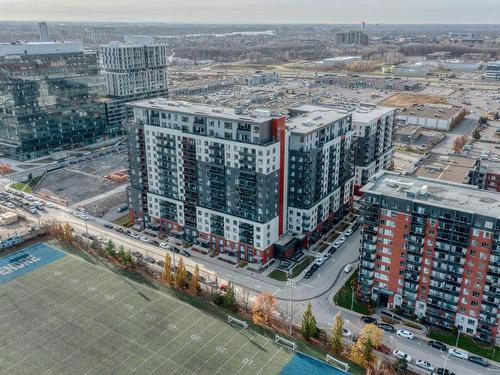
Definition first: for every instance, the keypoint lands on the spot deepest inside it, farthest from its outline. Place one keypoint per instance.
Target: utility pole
(87, 233)
(291, 283)
(352, 297)
(171, 247)
(458, 338)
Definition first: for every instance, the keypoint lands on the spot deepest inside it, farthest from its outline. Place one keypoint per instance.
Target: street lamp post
(291, 283)
(171, 248)
(352, 297)
(445, 361)
(458, 338)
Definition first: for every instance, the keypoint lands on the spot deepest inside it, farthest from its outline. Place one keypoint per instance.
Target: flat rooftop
(39, 48)
(441, 111)
(442, 194)
(360, 112)
(315, 120)
(446, 168)
(196, 109)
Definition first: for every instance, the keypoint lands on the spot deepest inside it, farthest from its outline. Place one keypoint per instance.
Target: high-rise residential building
(50, 95)
(373, 135)
(231, 182)
(44, 32)
(319, 170)
(432, 249)
(132, 72)
(354, 37)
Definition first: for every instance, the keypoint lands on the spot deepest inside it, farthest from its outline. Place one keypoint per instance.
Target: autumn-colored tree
(194, 283)
(57, 230)
(263, 308)
(68, 233)
(337, 332)
(167, 270)
(309, 328)
(181, 278)
(459, 143)
(369, 338)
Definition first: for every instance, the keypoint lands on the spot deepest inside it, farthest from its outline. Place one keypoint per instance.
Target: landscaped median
(296, 271)
(346, 297)
(466, 342)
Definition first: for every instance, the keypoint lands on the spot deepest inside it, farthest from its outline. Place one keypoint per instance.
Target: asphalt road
(319, 290)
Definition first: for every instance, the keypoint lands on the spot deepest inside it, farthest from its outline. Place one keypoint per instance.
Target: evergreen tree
(229, 298)
(309, 328)
(337, 332)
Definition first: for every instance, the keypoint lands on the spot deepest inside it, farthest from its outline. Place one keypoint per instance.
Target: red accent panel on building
(278, 129)
(492, 181)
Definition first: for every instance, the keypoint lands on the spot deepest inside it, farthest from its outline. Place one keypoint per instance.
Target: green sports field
(69, 316)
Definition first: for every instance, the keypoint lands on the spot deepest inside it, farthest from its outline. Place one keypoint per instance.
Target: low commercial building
(492, 70)
(432, 116)
(451, 168)
(339, 61)
(432, 249)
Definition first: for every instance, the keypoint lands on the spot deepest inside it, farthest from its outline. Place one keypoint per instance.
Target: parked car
(368, 319)
(403, 355)
(346, 333)
(424, 364)
(383, 349)
(387, 327)
(405, 333)
(49, 205)
(134, 235)
(185, 253)
(320, 261)
(348, 232)
(308, 274)
(348, 268)
(154, 242)
(108, 225)
(337, 244)
(458, 353)
(314, 267)
(442, 371)
(437, 345)
(150, 260)
(137, 254)
(479, 360)
(144, 239)
(342, 239)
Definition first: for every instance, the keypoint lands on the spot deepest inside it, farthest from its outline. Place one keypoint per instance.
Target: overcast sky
(255, 11)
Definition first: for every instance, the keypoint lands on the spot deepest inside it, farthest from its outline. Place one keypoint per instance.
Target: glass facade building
(50, 102)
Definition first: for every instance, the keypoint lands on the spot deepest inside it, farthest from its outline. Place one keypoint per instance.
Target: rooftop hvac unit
(423, 191)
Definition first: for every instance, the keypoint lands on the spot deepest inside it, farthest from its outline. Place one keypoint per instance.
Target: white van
(458, 353)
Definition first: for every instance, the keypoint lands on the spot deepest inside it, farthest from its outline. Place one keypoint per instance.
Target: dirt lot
(108, 206)
(404, 99)
(82, 181)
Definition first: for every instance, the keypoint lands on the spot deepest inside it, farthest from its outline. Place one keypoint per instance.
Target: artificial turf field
(60, 314)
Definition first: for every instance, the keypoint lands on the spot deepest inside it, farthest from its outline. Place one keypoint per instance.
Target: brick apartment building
(432, 248)
(233, 183)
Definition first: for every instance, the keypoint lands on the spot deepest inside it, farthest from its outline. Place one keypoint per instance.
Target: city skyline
(224, 11)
